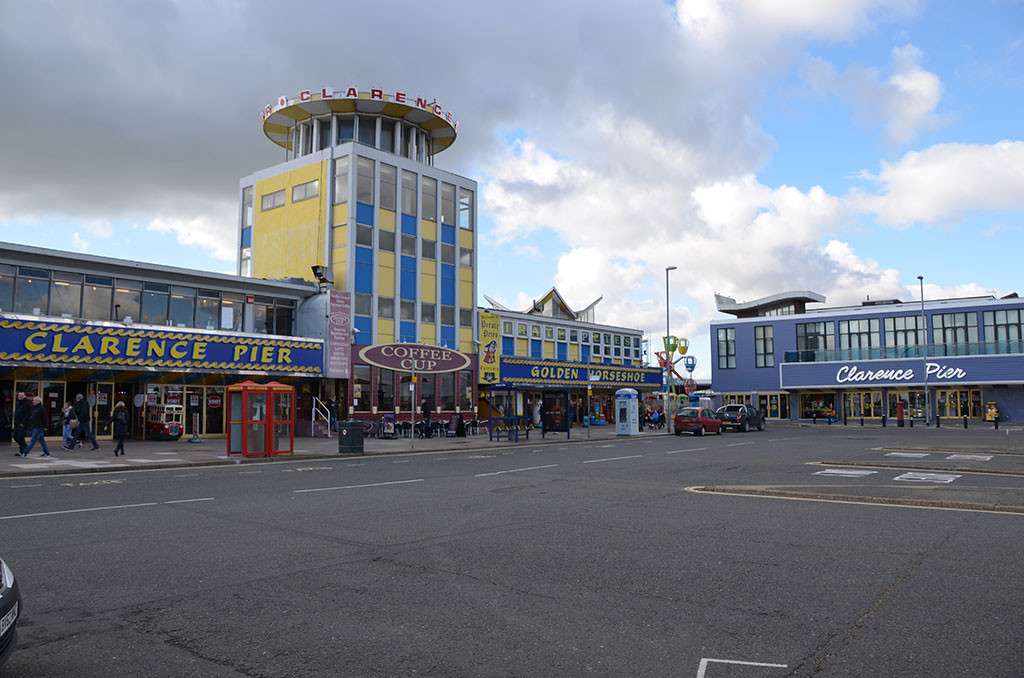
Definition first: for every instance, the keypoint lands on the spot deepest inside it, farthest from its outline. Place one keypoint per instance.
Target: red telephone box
(261, 419)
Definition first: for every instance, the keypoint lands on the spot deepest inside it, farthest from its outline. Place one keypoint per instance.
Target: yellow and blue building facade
(358, 193)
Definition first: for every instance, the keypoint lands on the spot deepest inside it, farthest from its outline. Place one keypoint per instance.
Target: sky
(844, 147)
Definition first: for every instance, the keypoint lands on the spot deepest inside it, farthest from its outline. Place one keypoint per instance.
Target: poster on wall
(339, 336)
(490, 348)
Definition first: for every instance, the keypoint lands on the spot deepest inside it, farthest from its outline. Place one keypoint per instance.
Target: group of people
(30, 417)
(651, 417)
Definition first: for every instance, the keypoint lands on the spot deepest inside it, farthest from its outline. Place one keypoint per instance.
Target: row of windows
(407, 310)
(392, 137)
(386, 241)
(564, 334)
(445, 390)
(36, 291)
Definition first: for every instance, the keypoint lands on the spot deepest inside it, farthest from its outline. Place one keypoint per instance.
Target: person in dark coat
(426, 411)
(22, 409)
(37, 424)
(543, 418)
(120, 418)
(83, 411)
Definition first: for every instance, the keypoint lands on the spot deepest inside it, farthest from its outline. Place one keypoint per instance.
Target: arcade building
(945, 358)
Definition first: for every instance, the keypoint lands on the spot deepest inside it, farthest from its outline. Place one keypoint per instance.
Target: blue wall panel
(407, 331)
(448, 234)
(508, 345)
(448, 284)
(408, 278)
(448, 336)
(364, 270)
(536, 348)
(365, 327)
(364, 214)
(408, 224)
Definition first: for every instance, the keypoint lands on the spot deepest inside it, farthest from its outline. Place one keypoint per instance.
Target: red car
(698, 421)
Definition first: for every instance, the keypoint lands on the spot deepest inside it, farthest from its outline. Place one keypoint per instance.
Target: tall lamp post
(669, 417)
(924, 348)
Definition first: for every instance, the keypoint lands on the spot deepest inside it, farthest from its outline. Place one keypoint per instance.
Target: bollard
(844, 417)
(965, 422)
(938, 421)
(996, 420)
(814, 417)
(862, 421)
(911, 422)
(883, 421)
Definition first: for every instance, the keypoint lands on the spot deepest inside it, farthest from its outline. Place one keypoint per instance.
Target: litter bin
(350, 437)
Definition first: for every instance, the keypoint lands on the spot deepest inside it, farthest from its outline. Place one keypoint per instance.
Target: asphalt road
(583, 559)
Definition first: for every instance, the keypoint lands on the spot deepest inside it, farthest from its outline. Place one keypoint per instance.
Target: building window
(446, 382)
(409, 245)
(447, 315)
(271, 201)
(428, 313)
(247, 207)
(561, 334)
(466, 258)
(368, 130)
(208, 309)
(585, 337)
(127, 299)
(447, 204)
(310, 189)
(408, 141)
(429, 199)
(154, 303)
(466, 317)
(465, 208)
(535, 331)
(386, 307)
(618, 340)
(182, 307)
(364, 235)
(364, 304)
(387, 135)
(859, 336)
(408, 310)
(429, 249)
(549, 333)
(386, 240)
(361, 388)
(953, 332)
(726, 348)
(388, 186)
(506, 328)
(323, 126)
(284, 317)
(66, 294)
(232, 310)
(386, 390)
(573, 335)
(447, 253)
(764, 346)
(364, 180)
(346, 128)
(466, 386)
(96, 296)
(1003, 331)
(904, 332)
(408, 192)
(341, 180)
(521, 329)
(812, 337)
(789, 309)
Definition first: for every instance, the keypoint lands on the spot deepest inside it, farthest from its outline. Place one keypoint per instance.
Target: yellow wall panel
(466, 274)
(522, 347)
(429, 267)
(549, 349)
(428, 229)
(465, 239)
(428, 288)
(386, 278)
(428, 333)
(386, 219)
(385, 331)
(574, 352)
(466, 340)
(466, 299)
(341, 214)
(288, 240)
(595, 359)
(616, 361)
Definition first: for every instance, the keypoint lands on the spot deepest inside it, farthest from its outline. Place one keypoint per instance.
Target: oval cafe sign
(414, 358)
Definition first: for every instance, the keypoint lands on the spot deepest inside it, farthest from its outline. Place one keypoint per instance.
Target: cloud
(214, 235)
(79, 243)
(944, 182)
(903, 103)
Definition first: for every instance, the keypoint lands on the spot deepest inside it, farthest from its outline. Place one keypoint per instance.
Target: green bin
(350, 437)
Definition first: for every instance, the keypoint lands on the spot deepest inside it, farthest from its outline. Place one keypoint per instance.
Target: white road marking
(944, 478)
(188, 501)
(246, 473)
(32, 485)
(152, 461)
(845, 472)
(356, 487)
(738, 444)
(598, 461)
(908, 455)
(83, 510)
(402, 461)
(969, 457)
(514, 470)
(603, 446)
(55, 461)
(171, 454)
(704, 661)
(362, 463)
(93, 483)
(779, 440)
(187, 475)
(692, 449)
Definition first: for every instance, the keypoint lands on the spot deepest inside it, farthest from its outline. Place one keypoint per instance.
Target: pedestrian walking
(37, 425)
(120, 417)
(427, 411)
(543, 412)
(85, 431)
(22, 408)
(70, 422)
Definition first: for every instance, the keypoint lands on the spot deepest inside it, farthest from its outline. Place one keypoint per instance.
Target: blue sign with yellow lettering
(95, 344)
(520, 371)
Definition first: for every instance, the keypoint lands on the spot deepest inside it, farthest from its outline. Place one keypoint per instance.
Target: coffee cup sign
(414, 358)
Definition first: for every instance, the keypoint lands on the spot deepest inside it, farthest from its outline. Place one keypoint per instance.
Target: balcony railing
(929, 351)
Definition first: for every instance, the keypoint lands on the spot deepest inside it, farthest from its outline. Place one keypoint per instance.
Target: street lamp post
(924, 348)
(670, 423)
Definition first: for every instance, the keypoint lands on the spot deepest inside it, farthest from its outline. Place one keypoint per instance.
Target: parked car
(10, 608)
(697, 420)
(741, 417)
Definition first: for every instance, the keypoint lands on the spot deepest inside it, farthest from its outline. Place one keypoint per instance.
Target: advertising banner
(490, 348)
(981, 369)
(94, 344)
(338, 362)
(516, 371)
(420, 358)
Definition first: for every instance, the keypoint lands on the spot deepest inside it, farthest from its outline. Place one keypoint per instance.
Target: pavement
(614, 557)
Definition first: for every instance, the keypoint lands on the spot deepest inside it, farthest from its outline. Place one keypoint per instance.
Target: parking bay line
(514, 470)
(692, 449)
(598, 461)
(751, 442)
(100, 508)
(704, 661)
(356, 487)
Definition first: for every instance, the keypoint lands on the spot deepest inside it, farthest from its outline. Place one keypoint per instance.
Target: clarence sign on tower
(414, 358)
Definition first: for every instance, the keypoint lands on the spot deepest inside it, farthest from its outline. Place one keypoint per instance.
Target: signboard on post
(490, 348)
(338, 361)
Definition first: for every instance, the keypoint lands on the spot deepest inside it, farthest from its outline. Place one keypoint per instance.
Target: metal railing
(322, 412)
(890, 352)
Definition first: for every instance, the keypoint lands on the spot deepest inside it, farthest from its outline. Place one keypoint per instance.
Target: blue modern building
(948, 358)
